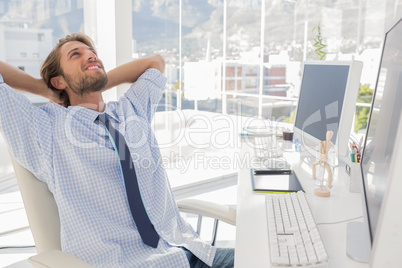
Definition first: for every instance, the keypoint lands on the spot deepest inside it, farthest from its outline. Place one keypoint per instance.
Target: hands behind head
(48, 93)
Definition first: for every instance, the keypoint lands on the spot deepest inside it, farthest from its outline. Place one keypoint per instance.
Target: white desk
(252, 248)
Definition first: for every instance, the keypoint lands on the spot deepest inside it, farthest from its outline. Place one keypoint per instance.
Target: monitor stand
(357, 241)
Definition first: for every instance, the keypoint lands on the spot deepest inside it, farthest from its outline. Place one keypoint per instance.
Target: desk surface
(330, 214)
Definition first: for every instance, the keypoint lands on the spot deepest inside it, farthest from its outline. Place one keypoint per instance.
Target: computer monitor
(327, 101)
(382, 157)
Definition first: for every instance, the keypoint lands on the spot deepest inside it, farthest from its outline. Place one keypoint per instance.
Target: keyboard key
(274, 252)
(283, 251)
(286, 240)
(280, 261)
(314, 235)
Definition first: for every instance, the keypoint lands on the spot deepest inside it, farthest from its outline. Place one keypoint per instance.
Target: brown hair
(51, 66)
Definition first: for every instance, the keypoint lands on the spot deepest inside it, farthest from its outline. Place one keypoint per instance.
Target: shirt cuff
(1, 79)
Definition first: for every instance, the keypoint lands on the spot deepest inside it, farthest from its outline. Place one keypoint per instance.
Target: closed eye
(74, 54)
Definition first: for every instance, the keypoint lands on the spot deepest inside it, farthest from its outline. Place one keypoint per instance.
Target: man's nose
(91, 55)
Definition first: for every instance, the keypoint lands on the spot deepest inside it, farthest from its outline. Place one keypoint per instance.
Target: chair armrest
(57, 258)
(208, 209)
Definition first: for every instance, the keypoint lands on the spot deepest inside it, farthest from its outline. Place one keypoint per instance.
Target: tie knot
(104, 118)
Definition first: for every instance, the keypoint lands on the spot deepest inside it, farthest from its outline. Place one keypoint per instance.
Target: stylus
(272, 171)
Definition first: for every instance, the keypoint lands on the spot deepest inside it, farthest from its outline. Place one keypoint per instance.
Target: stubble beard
(86, 84)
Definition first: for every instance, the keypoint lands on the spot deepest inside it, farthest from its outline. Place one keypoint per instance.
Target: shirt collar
(111, 113)
(79, 112)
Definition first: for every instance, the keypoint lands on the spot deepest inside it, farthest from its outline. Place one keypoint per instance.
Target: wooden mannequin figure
(325, 146)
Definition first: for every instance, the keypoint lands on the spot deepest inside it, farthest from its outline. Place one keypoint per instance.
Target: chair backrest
(41, 209)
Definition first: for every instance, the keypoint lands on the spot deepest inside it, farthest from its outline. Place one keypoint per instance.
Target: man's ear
(58, 82)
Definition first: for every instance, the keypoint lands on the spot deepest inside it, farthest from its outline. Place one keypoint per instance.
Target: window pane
(243, 47)
(202, 28)
(156, 31)
(281, 110)
(210, 105)
(243, 31)
(242, 105)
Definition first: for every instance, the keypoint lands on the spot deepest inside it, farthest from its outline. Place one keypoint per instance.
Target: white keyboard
(294, 239)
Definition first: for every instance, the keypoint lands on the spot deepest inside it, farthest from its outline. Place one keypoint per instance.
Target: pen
(357, 154)
(272, 171)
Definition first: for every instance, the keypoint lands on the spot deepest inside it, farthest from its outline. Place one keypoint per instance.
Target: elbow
(159, 63)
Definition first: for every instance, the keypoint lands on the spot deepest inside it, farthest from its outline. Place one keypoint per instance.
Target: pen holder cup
(353, 169)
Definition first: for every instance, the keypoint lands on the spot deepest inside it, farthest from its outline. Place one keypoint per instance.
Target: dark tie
(147, 231)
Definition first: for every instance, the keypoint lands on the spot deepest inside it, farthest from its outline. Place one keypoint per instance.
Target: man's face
(82, 70)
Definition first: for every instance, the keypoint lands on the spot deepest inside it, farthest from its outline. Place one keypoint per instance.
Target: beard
(85, 84)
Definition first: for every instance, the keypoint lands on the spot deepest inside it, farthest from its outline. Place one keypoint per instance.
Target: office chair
(43, 218)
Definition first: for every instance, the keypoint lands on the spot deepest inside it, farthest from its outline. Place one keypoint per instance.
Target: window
(222, 56)
(41, 37)
(266, 40)
(259, 45)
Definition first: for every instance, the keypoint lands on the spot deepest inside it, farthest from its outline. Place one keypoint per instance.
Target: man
(72, 150)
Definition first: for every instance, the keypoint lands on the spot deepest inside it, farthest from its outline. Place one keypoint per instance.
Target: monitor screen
(382, 126)
(327, 102)
(321, 98)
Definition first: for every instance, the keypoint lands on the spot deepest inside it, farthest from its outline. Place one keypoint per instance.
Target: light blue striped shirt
(69, 150)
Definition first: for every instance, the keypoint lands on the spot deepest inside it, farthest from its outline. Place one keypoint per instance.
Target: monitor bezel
(310, 143)
(367, 225)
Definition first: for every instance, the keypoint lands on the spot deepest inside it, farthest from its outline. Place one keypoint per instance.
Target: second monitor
(327, 101)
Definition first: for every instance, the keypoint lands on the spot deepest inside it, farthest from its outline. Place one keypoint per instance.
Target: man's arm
(26, 128)
(131, 71)
(22, 81)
